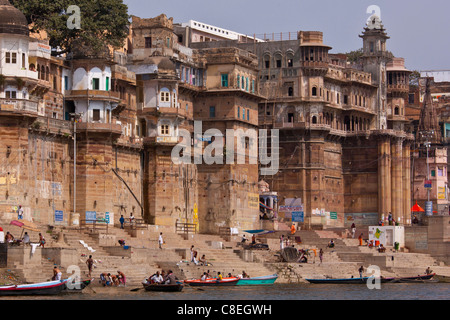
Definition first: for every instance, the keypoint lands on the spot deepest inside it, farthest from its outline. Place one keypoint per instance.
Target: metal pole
(428, 172)
(74, 165)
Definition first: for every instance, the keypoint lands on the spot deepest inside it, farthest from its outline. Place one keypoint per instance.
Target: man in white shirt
(160, 240)
(157, 278)
(26, 239)
(20, 213)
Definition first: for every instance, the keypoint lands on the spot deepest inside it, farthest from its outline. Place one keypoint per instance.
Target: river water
(276, 301)
(397, 291)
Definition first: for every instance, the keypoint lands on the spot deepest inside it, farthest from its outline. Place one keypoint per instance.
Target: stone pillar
(396, 178)
(384, 177)
(406, 183)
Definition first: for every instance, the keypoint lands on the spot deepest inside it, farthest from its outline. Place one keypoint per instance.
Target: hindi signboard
(59, 216)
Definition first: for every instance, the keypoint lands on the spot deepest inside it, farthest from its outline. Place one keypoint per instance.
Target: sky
(419, 31)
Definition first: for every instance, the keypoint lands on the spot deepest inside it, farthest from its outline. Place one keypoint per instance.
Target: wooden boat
(415, 279)
(163, 287)
(230, 281)
(440, 278)
(339, 281)
(77, 286)
(42, 288)
(257, 281)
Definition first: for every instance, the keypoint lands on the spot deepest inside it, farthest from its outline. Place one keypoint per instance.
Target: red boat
(230, 281)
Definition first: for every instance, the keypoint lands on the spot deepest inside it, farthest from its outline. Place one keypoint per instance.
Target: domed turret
(12, 20)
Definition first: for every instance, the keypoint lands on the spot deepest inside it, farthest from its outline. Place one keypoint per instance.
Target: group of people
(9, 238)
(207, 275)
(108, 279)
(162, 278)
(194, 258)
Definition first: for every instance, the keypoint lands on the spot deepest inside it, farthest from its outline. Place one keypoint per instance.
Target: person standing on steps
(122, 221)
(321, 255)
(160, 240)
(41, 240)
(20, 213)
(353, 229)
(281, 242)
(90, 264)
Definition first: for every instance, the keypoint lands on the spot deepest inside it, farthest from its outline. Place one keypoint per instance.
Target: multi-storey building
(343, 147)
(97, 134)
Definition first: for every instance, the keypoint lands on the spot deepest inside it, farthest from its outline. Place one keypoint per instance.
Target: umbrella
(417, 208)
(26, 225)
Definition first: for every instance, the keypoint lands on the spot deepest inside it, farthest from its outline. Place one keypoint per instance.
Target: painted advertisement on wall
(361, 219)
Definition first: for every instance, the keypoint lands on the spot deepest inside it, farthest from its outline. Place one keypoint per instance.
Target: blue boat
(43, 288)
(258, 281)
(340, 281)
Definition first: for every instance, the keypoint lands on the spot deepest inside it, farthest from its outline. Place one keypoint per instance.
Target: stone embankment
(69, 248)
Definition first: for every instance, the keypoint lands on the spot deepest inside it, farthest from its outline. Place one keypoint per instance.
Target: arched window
(290, 91)
(396, 111)
(314, 91)
(47, 74)
(314, 119)
(42, 73)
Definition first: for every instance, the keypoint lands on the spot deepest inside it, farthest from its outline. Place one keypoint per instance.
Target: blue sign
(107, 217)
(297, 216)
(91, 216)
(59, 216)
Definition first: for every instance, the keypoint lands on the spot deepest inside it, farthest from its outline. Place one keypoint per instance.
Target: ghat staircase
(223, 255)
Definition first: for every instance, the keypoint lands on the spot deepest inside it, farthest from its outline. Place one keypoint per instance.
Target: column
(396, 178)
(384, 177)
(406, 183)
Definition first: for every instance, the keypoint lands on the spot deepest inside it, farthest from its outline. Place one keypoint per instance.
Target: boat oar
(195, 288)
(136, 289)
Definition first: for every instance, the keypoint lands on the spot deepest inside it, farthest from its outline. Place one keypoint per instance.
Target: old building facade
(96, 135)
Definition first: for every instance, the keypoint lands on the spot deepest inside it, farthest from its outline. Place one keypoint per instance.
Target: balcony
(19, 106)
(401, 89)
(93, 95)
(131, 142)
(161, 140)
(163, 112)
(54, 126)
(95, 127)
(289, 125)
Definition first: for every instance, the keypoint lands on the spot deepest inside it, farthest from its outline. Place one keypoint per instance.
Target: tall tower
(375, 58)
(428, 121)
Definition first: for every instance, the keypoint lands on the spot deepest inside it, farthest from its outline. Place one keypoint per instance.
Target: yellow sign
(441, 193)
(195, 219)
(253, 200)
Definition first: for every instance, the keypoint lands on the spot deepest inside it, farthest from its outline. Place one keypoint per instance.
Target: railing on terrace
(136, 224)
(94, 226)
(185, 228)
(18, 105)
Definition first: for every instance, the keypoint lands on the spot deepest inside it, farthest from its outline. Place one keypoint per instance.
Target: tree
(103, 22)
(355, 55)
(414, 77)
